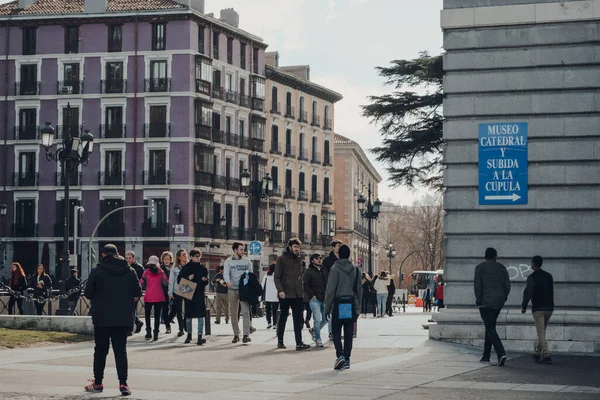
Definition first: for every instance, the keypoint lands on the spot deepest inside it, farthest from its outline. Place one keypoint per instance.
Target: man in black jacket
(540, 290)
(71, 283)
(113, 288)
(221, 298)
(315, 281)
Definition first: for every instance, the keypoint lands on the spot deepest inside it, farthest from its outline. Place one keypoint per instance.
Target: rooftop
(76, 6)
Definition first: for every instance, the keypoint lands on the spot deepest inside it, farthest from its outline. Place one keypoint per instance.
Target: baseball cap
(315, 255)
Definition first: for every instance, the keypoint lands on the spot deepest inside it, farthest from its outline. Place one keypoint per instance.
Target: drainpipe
(135, 117)
(6, 48)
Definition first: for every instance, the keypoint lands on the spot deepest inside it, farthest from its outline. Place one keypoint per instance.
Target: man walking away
(315, 281)
(540, 290)
(113, 288)
(288, 280)
(328, 263)
(492, 286)
(71, 283)
(222, 298)
(342, 303)
(427, 295)
(139, 270)
(233, 269)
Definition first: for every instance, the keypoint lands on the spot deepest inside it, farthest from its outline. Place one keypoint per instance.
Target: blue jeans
(318, 312)
(381, 301)
(188, 325)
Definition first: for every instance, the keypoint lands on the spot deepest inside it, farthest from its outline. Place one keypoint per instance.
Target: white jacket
(270, 291)
(173, 279)
(381, 285)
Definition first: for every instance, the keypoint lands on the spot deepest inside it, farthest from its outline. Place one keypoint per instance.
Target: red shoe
(124, 390)
(93, 388)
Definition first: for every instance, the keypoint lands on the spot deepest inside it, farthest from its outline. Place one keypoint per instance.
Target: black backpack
(252, 291)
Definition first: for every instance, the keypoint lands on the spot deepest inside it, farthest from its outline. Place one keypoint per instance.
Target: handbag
(186, 289)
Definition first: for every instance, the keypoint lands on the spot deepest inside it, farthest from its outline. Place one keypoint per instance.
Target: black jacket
(315, 282)
(18, 284)
(111, 287)
(218, 287)
(71, 283)
(43, 292)
(195, 308)
(329, 261)
(492, 285)
(391, 289)
(540, 290)
(251, 291)
(139, 270)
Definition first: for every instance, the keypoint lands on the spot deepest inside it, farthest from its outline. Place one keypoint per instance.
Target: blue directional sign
(503, 157)
(255, 247)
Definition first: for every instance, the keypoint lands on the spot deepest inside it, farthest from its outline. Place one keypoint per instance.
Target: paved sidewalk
(393, 359)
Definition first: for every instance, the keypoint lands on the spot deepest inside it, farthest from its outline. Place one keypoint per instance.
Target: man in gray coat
(492, 286)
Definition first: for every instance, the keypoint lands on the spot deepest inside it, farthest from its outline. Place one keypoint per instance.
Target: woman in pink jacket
(154, 282)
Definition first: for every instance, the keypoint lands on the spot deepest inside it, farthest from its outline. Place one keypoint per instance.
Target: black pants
(11, 305)
(271, 312)
(39, 308)
(366, 300)
(177, 309)
(157, 308)
(308, 311)
(388, 305)
(165, 313)
(103, 336)
(297, 311)
(426, 305)
(489, 317)
(440, 303)
(336, 328)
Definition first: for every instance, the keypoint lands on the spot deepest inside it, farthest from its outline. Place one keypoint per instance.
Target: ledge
(73, 324)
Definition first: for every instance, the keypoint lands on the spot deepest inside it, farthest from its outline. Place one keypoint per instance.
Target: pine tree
(411, 123)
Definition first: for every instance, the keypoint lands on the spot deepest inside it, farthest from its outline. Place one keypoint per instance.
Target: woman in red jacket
(153, 282)
(439, 295)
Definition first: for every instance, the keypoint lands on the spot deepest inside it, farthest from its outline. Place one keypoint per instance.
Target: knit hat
(153, 260)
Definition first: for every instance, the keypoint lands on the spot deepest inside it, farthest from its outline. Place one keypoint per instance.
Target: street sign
(179, 229)
(255, 247)
(503, 155)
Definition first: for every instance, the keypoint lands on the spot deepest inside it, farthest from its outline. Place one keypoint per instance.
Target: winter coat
(329, 261)
(173, 280)
(195, 308)
(43, 292)
(344, 281)
(391, 289)
(427, 295)
(139, 270)
(269, 289)
(154, 282)
(439, 292)
(288, 275)
(112, 287)
(71, 283)
(315, 281)
(219, 288)
(251, 290)
(17, 283)
(381, 285)
(492, 285)
(540, 289)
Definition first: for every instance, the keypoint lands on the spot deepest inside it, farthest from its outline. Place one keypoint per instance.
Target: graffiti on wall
(519, 272)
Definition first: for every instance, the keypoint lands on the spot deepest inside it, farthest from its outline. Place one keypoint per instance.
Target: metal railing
(75, 178)
(25, 229)
(303, 156)
(290, 151)
(316, 120)
(327, 198)
(156, 177)
(69, 87)
(27, 132)
(25, 88)
(257, 145)
(289, 112)
(327, 160)
(289, 193)
(231, 97)
(112, 131)
(218, 92)
(203, 178)
(276, 108)
(275, 148)
(303, 117)
(27, 178)
(203, 87)
(315, 197)
(316, 158)
(114, 86)
(244, 101)
(157, 130)
(157, 85)
(258, 104)
(155, 230)
(327, 125)
(108, 178)
(203, 132)
(303, 195)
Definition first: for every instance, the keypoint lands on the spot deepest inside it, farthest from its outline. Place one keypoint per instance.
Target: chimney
(94, 6)
(197, 5)
(25, 3)
(230, 17)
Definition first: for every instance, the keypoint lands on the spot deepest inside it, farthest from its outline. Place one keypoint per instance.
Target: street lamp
(3, 209)
(391, 253)
(177, 210)
(260, 189)
(76, 149)
(370, 211)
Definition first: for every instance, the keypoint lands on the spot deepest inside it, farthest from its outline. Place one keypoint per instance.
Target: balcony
(276, 192)
(62, 130)
(109, 178)
(203, 178)
(257, 145)
(316, 121)
(155, 229)
(203, 87)
(156, 177)
(69, 87)
(231, 139)
(75, 178)
(218, 136)
(112, 131)
(25, 179)
(275, 148)
(290, 151)
(25, 229)
(244, 142)
(258, 104)
(114, 86)
(218, 92)
(244, 101)
(111, 230)
(327, 125)
(157, 85)
(157, 130)
(289, 193)
(303, 156)
(290, 235)
(27, 88)
(203, 230)
(315, 197)
(276, 108)
(327, 199)
(327, 160)
(275, 236)
(203, 132)
(303, 117)
(215, 51)
(289, 112)
(316, 158)
(219, 182)
(232, 184)
(27, 132)
(303, 195)
(231, 97)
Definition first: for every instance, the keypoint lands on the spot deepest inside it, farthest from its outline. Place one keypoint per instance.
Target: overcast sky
(343, 40)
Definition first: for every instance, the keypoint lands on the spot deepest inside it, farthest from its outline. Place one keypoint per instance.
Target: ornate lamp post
(391, 253)
(75, 150)
(370, 211)
(257, 191)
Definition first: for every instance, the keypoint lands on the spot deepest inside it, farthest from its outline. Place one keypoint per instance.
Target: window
(204, 160)
(158, 121)
(274, 98)
(27, 163)
(275, 176)
(27, 124)
(242, 129)
(114, 77)
(201, 31)
(215, 45)
(158, 76)
(258, 129)
(327, 155)
(29, 83)
(315, 116)
(204, 113)
(229, 51)
(25, 218)
(113, 167)
(158, 167)
(113, 118)
(301, 183)
(115, 38)
(255, 61)
(229, 82)
(113, 225)
(203, 209)
(217, 78)
(157, 217)
(71, 82)
(159, 36)
(243, 55)
(71, 39)
(258, 87)
(29, 40)
(71, 121)
(314, 148)
(204, 69)
(228, 124)
(327, 120)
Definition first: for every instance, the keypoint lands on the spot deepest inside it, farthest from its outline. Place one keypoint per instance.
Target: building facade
(175, 99)
(354, 174)
(529, 61)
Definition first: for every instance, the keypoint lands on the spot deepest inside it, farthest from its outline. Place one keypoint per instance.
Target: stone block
(562, 102)
(564, 11)
(457, 18)
(502, 15)
(503, 104)
(582, 333)
(73, 324)
(550, 34)
(459, 105)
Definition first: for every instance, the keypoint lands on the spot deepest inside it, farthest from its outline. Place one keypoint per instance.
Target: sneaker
(236, 339)
(545, 360)
(180, 334)
(501, 361)
(188, 339)
(485, 360)
(307, 323)
(246, 339)
(168, 332)
(252, 329)
(330, 335)
(536, 358)
(93, 388)
(155, 336)
(302, 346)
(346, 365)
(281, 346)
(124, 390)
(148, 335)
(269, 326)
(312, 335)
(138, 326)
(274, 326)
(201, 341)
(339, 363)
(217, 322)
(319, 343)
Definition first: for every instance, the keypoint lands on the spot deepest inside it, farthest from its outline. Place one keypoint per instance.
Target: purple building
(175, 101)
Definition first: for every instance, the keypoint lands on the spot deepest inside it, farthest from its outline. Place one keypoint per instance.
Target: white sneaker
(319, 343)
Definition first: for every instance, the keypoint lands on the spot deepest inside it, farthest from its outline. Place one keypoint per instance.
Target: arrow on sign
(513, 197)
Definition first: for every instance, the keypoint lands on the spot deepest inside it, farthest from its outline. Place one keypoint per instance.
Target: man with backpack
(233, 269)
(342, 303)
